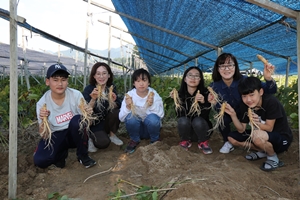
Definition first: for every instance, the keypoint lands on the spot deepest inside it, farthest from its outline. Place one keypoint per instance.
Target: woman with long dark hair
(193, 126)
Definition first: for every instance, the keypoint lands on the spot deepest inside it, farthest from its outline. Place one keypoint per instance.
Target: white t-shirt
(60, 116)
(140, 105)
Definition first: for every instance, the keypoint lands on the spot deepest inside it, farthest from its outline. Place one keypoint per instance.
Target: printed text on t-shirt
(64, 117)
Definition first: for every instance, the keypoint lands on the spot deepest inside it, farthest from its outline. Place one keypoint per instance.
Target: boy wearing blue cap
(63, 115)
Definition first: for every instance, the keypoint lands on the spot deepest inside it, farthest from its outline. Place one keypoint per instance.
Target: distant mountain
(114, 53)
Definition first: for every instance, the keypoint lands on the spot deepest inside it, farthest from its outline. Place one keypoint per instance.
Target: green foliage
(144, 195)
(288, 96)
(143, 192)
(163, 86)
(118, 194)
(57, 196)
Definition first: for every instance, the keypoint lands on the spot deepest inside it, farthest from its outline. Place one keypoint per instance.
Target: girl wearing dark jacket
(193, 126)
(107, 122)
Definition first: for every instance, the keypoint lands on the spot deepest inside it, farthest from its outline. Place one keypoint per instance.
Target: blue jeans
(147, 129)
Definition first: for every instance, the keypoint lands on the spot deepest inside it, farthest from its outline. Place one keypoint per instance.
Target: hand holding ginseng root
(129, 104)
(128, 101)
(44, 128)
(195, 108)
(177, 101)
(150, 99)
(94, 93)
(213, 97)
(268, 67)
(111, 98)
(86, 117)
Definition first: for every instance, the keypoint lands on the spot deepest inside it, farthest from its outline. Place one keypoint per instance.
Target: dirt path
(187, 175)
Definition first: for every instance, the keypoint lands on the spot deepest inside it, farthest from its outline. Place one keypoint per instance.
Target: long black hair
(183, 87)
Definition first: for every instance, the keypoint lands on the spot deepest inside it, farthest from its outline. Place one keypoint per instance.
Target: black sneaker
(62, 162)
(131, 146)
(86, 161)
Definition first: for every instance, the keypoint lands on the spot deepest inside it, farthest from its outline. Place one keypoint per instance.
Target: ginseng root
(216, 97)
(265, 61)
(262, 59)
(253, 126)
(148, 103)
(132, 107)
(219, 117)
(46, 134)
(111, 102)
(195, 108)
(177, 100)
(86, 118)
(101, 97)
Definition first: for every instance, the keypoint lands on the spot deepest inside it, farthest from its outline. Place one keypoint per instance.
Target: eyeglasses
(104, 74)
(191, 76)
(224, 66)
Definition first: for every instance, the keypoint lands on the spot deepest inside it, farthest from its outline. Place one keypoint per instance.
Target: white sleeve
(157, 106)
(123, 111)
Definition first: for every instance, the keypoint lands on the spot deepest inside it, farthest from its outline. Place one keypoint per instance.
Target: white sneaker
(226, 148)
(91, 147)
(114, 139)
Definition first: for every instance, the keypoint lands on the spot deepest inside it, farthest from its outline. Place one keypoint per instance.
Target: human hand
(229, 110)
(94, 94)
(268, 71)
(150, 99)
(128, 101)
(255, 118)
(44, 113)
(199, 97)
(211, 99)
(88, 109)
(114, 96)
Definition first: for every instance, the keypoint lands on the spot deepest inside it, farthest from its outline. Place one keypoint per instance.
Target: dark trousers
(99, 131)
(226, 130)
(194, 129)
(61, 141)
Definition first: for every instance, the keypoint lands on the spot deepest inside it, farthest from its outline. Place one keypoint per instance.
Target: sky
(66, 19)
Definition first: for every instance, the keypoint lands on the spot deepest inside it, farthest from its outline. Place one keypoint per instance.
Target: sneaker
(62, 162)
(114, 139)
(131, 146)
(185, 144)
(86, 161)
(226, 148)
(205, 147)
(91, 147)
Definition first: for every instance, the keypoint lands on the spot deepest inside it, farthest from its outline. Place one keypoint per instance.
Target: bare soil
(179, 174)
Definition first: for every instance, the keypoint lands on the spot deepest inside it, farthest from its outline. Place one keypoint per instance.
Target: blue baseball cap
(54, 68)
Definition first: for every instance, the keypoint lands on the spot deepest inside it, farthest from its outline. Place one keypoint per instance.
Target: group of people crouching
(243, 100)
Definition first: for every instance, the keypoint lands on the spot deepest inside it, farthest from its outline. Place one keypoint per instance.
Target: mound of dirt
(176, 174)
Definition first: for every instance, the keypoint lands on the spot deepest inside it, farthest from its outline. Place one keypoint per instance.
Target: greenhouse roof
(172, 33)
(175, 34)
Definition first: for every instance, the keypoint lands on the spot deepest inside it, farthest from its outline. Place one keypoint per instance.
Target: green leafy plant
(57, 196)
(143, 192)
(288, 96)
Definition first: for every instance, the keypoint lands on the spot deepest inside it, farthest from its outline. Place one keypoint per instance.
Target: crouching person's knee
(101, 139)
(40, 161)
(233, 141)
